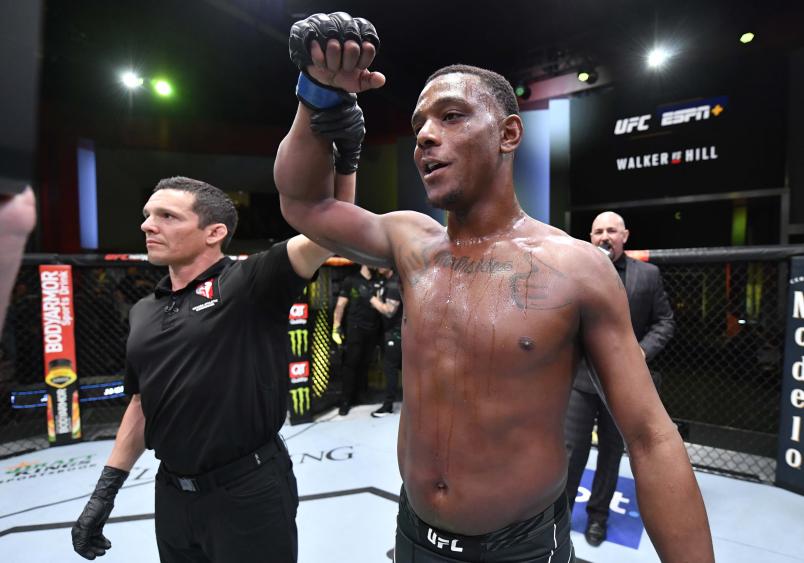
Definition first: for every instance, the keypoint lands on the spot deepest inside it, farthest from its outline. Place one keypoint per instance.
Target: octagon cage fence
(720, 374)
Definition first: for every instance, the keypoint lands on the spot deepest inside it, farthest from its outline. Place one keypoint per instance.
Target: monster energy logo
(301, 399)
(298, 341)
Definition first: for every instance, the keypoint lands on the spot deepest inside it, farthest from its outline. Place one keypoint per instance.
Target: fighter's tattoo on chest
(416, 261)
(467, 265)
(538, 287)
(534, 285)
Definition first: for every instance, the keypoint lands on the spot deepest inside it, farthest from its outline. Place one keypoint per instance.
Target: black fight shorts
(542, 539)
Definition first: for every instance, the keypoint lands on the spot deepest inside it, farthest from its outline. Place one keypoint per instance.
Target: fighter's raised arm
(333, 53)
(669, 499)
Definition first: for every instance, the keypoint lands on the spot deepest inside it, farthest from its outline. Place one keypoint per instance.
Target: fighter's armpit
(413, 260)
(539, 287)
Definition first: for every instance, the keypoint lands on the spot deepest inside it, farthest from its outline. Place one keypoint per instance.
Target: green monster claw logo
(298, 341)
(301, 399)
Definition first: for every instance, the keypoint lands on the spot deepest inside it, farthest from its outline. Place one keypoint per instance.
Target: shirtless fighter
(498, 308)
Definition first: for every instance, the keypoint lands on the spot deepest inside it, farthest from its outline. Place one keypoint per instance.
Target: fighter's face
(172, 235)
(608, 231)
(457, 128)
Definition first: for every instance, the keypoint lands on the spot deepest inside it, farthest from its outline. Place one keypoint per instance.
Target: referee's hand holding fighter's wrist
(88, 539)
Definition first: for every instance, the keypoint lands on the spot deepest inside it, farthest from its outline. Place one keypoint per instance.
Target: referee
(206, 356)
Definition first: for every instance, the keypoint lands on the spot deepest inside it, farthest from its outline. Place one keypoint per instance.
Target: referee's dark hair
(211, 205)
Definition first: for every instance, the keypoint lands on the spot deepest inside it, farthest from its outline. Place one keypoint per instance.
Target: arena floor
(349, 482)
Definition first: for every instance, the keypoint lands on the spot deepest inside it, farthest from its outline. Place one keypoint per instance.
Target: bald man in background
(652, 320)
(17, 219)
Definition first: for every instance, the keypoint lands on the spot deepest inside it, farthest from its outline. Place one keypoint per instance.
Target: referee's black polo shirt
(210, 361)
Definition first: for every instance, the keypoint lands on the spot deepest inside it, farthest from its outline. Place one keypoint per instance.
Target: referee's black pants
(584, 409)
(251, 519)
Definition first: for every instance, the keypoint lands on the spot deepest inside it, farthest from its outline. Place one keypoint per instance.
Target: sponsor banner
(88, 392)
(790, 462)
(340, 453)
(300, 403)
(33, 469)
(298, 314)
(61, 377)
(625, 525)
(671, 115)
(299, 344)
(299, 372)
(299, 367)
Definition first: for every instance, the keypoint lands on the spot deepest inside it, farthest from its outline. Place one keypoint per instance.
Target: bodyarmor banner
(61, 377)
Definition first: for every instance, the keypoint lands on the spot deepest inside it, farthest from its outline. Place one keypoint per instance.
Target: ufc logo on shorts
(441, 543)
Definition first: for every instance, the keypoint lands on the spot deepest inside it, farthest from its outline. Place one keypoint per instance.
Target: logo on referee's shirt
(204, 289)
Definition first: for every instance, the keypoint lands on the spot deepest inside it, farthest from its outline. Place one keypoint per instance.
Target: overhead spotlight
(589, 76)
(657, 57)
(522, 91)
(131, 80)
(162, 87)
(746, 38)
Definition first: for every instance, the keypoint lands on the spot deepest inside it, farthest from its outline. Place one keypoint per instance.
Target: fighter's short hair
(498, 86)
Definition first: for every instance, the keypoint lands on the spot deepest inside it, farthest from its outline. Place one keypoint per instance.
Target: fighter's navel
(526, 343)
(441, 486)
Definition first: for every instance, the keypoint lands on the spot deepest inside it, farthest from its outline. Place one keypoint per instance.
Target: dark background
(749, 135)
(228, 62)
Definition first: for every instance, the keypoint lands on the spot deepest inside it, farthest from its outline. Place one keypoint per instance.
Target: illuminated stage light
(131, 80)
(657, 57)
(162, 88)
(746, 38)
(522, 91)
(589, 76)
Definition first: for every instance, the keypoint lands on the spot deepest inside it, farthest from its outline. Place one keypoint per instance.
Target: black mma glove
(88, 539)
(345, 127)
(336, 115)
(321, 28)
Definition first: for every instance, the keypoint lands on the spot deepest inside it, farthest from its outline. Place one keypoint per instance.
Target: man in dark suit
(652, 320)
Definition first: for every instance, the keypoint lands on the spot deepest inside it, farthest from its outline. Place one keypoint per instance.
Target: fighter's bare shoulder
(411, 230)
(405, 223)
(413, 237)
(579, 260)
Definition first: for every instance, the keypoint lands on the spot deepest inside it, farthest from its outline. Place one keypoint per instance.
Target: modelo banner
(299, 368)
(61, 378)
(790, 459)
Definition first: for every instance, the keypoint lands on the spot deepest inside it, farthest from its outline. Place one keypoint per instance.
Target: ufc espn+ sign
(790, 458)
